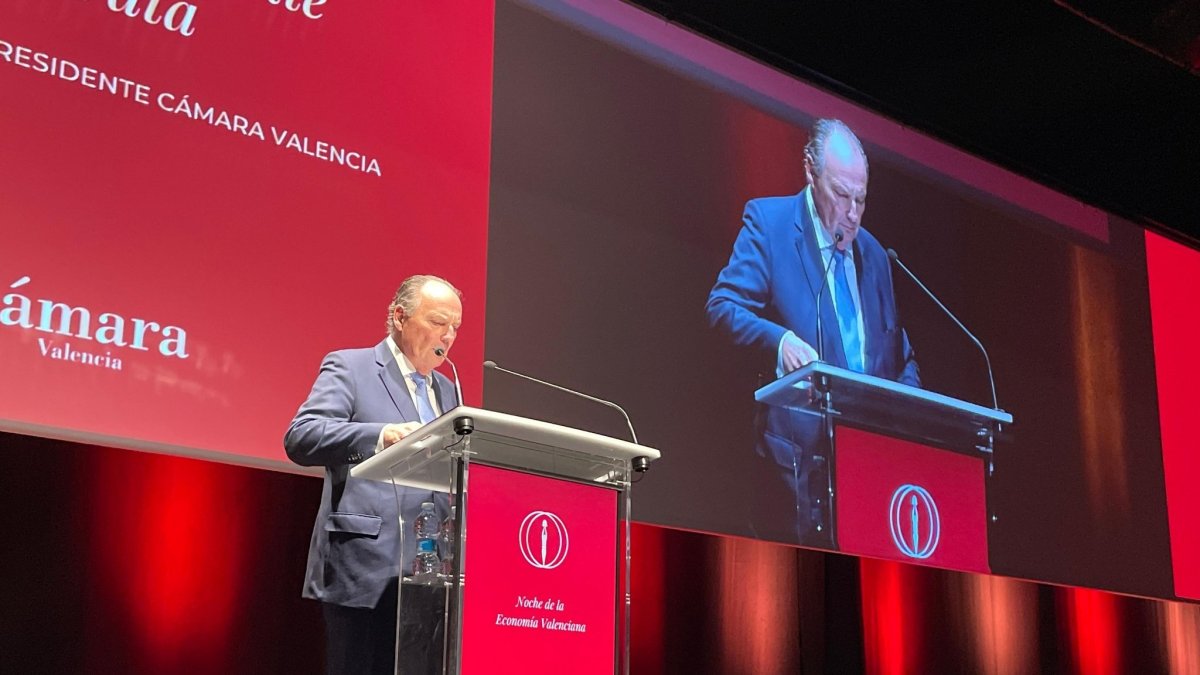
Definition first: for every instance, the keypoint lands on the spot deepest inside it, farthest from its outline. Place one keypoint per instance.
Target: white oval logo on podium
(544, 540)
(914, 521)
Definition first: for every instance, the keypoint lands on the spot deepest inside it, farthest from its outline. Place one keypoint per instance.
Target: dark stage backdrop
(127, 562)
(623, 152)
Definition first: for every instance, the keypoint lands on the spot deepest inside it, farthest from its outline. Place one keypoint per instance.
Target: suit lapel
(393, 381)
(443, 391)
(806, 245)
(809, 253)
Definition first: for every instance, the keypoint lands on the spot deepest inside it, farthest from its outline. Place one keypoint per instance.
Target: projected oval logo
(544, 540)
(915, 524)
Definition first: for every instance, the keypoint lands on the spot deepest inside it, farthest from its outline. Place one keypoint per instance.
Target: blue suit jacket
(771, 284)
(355, 548)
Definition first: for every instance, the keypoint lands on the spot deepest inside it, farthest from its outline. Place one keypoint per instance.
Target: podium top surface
(885, 404)
(507, 440)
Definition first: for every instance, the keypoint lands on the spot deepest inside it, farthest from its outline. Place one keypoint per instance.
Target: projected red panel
(911, 502)
(192, 218)
(541, 561)
(1174, 272)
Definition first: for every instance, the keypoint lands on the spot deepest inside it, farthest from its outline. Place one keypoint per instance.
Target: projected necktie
(847, 313)
(424, 409)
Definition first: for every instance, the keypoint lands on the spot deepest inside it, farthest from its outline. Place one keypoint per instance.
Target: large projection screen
(624, 152)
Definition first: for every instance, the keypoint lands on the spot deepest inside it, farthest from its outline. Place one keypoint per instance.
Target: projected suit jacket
(356, 539)
(769, 287)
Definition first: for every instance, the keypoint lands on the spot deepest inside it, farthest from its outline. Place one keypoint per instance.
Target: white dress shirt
(826, 244)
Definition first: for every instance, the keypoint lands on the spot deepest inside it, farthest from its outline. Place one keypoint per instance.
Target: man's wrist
(779, 370)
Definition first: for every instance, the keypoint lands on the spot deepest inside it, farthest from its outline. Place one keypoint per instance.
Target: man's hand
(393, 433)
(795, 353)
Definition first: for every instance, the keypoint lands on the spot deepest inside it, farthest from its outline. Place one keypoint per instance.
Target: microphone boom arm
(632, 433)
(991, 378)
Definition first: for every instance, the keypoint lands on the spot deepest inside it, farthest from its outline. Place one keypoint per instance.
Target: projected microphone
(837, 239)
(991, 378)
(457, 385)
(493, 366)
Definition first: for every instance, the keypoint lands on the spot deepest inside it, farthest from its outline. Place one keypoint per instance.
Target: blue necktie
(424, 409)
(847, 313)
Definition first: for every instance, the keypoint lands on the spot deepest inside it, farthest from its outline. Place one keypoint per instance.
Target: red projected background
(196, 207)
(1174, 272)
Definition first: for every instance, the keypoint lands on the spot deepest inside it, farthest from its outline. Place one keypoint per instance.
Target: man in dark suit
(792, 252)
(363, 401)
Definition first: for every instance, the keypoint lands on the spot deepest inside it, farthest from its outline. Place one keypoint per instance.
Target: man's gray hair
(822, 131)
(408, 296)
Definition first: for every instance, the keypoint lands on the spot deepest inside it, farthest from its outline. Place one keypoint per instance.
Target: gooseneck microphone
(457, 385)
(991, 378)
(837, 239)
(493, 366)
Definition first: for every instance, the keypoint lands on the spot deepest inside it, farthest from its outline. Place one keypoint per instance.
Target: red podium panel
(539, 592)
(910, 502)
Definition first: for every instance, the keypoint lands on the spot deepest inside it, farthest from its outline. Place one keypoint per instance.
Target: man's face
(433, 324)
(840, 190)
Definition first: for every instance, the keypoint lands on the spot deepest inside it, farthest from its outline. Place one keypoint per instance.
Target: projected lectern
(907, 469)
(541, 534)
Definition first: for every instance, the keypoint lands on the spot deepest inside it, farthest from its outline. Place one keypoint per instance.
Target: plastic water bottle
(447, 542)
(426, 527)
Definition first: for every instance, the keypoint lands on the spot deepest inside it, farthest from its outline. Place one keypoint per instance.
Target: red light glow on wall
(758, 617)
(648, 610)
(1180, 634)
(169, 554)
(1091, 621)
(892, 612)
(1000, 617)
